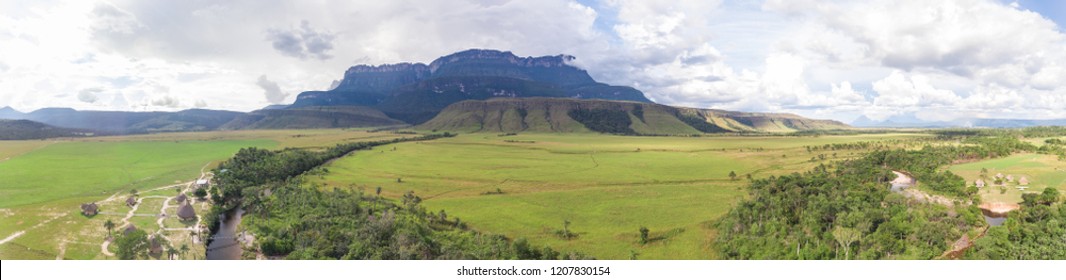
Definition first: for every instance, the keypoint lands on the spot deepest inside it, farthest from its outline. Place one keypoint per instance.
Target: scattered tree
(184, 249)
(845, 237)
(132, 246)
(643, 235)
(110, 226)
(732, 175)
(200, 193)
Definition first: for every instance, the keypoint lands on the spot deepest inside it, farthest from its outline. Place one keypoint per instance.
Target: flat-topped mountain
(616, 117)
(415, 92)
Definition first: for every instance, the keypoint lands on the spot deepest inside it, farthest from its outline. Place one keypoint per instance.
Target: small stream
(224, 244)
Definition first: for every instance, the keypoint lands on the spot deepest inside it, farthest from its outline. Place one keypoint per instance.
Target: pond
(993, 218)
(224, 244)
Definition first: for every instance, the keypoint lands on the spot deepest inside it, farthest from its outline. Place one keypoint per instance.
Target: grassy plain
(606, 186)
(42, 182)
(1042, 171)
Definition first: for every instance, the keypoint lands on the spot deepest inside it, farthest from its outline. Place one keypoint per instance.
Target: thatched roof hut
(130, 229)
(155, 247)
(1023, 181)
(90, 209)
(999, 175)
(131, 201)
(1010, 178)
(181, 198)
(979, 183)
(186, 212)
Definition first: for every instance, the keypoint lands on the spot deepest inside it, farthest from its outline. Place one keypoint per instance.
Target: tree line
(297, 221)
(848, 211)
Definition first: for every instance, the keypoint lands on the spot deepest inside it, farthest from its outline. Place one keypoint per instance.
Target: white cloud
(823, 59)
(271, 90)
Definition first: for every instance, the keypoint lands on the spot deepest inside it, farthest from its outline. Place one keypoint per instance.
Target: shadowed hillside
(616, 117)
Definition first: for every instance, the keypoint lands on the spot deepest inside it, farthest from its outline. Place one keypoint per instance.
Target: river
(224, 244)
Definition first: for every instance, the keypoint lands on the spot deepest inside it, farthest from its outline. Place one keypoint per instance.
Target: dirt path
(125, 222)
(21, 232)
(62, 249)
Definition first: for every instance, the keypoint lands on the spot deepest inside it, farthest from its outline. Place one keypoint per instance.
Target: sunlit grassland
(1042, 171)
(42, 183)
(606, 186)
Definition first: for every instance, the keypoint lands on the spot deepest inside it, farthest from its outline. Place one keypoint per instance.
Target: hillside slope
(25, 129)
(616, 117)
(312, 117)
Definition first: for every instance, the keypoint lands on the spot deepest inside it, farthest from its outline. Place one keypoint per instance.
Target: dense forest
(848, 212)
(1036, 231)
(306, 222)
(604, 120)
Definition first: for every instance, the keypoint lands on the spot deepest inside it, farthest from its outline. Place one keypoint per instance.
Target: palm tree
(109, 225)
(183, 250)
(171, 252)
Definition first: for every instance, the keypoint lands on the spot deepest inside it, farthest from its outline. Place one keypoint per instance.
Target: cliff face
(414, 92)
(381, 79)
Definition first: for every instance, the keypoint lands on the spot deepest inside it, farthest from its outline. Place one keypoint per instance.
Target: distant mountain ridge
(26, 129)
(415, 92)
(454, 91)
(606, 116)
(118, 122)
(910, 121)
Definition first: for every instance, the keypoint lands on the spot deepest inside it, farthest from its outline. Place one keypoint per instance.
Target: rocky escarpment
(414, 92)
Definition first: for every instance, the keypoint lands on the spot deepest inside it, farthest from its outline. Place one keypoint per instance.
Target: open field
(606, 186)
(44, 182)
(1042, 171)
(9, 149)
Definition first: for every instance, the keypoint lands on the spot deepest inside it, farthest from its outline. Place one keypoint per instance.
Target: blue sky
(929, 60)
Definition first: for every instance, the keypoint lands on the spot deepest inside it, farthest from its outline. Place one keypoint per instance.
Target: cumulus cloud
(271, 90)
(817, 58)
(88, 95)
(166, 101)
(303, 42)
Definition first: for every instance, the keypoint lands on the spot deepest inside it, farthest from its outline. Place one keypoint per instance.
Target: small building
(131, 201)
(203, 183)
(979, 183)
(186, 212)
(90, 209)
(999, 175)
(129, 229)
(1023, 181)
(1010, 178)
(181, 198)
(155, 247)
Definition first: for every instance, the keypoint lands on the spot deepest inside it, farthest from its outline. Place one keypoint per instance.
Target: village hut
(202, 183)
(1010, 178)
(186, 212)
(999, 175)
(1023, 181)
(130, 229)
(90, 209)
(181, 198)
(979, 183)
(155, 248)
(131, 201)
